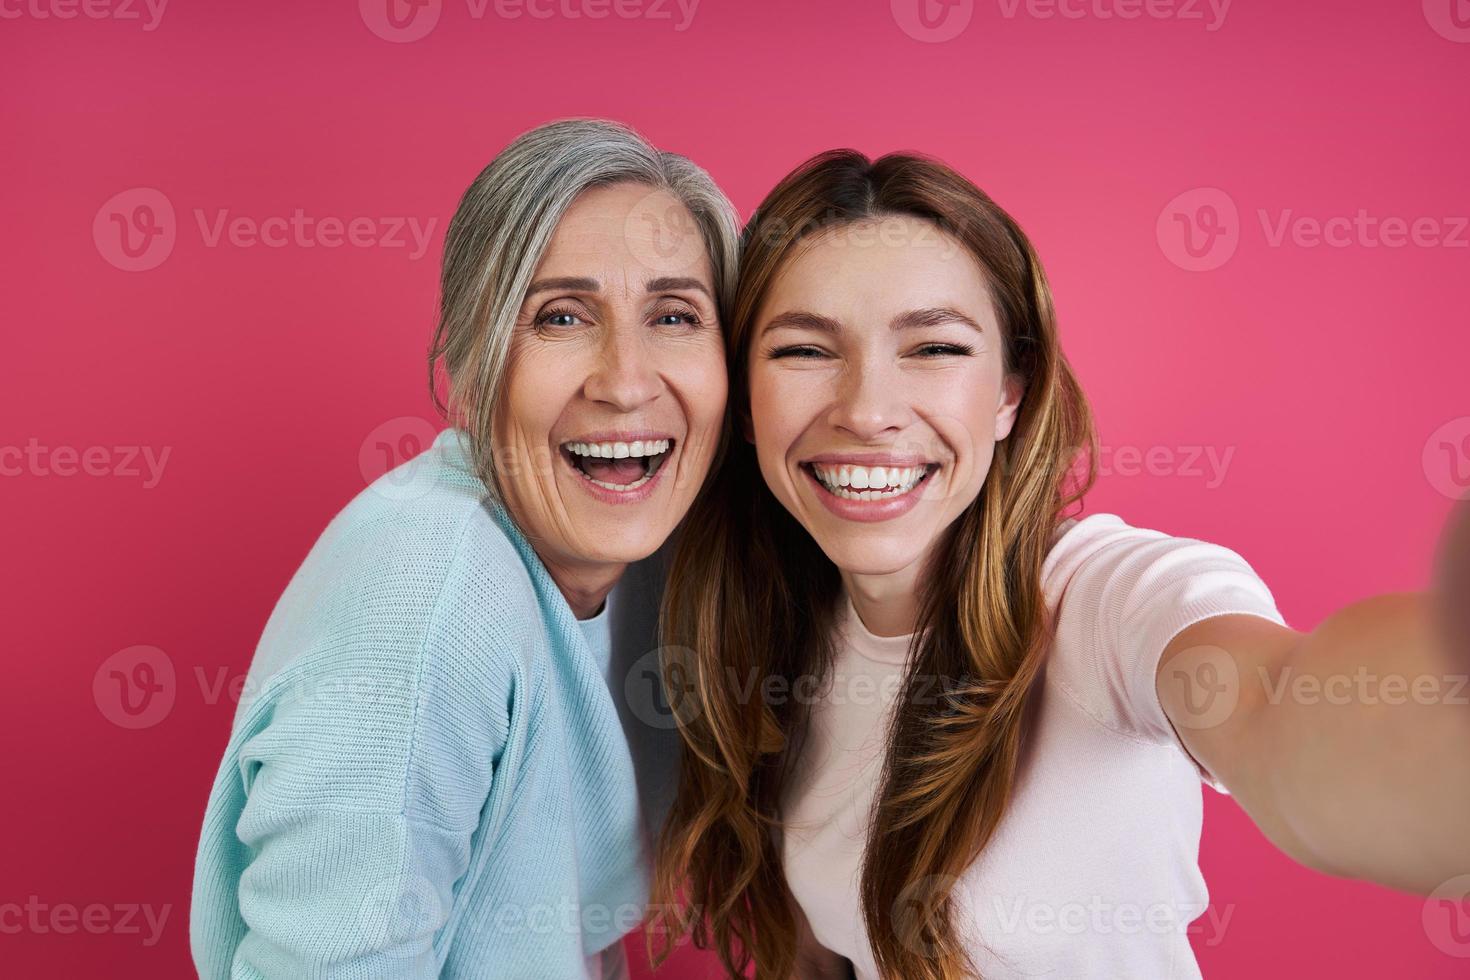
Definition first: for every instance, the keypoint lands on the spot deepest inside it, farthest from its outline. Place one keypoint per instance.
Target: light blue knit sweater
(431, 771)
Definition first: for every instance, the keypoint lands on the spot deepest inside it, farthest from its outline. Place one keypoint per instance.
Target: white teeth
(868, 483)
(619, 450)
(620, 487)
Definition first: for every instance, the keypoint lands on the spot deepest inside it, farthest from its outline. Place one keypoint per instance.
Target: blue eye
(557, 318)
(676, 316)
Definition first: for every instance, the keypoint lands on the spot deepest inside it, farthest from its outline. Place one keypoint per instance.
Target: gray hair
(503, 225)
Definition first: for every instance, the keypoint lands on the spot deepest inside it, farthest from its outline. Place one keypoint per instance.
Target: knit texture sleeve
(367, 761)
(1120, 594)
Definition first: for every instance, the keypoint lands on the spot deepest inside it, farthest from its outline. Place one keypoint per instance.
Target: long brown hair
(751, 596)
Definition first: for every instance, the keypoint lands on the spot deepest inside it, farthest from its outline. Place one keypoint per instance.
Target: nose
(870, 401)
(624, 377)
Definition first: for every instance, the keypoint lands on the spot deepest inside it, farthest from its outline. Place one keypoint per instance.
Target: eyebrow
(586, 284)
(929, 316)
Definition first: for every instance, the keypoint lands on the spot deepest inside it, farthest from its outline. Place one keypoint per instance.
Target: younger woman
(936, 727)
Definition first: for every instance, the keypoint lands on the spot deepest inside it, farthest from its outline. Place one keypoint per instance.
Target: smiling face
(878, 390)
(616, 384)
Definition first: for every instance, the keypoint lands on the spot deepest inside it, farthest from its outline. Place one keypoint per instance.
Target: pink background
(1334, 374)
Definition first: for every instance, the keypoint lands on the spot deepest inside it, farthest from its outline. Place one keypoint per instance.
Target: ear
(1011, 392)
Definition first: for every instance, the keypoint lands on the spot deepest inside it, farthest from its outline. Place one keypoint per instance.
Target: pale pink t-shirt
(1093, 871)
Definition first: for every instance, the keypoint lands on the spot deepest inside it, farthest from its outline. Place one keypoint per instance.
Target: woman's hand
(1452, 586)
(1346, 745)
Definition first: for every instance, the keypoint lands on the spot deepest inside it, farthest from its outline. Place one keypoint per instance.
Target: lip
(870, 459)
(610, 435)
(868, 511)
(603, 494)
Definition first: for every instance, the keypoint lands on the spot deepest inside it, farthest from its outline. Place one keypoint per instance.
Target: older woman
(429, 775)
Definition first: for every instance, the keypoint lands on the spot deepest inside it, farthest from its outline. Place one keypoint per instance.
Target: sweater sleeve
(364, 783)
(1123, 593)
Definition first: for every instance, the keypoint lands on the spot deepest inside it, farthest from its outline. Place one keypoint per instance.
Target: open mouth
(621, 467)
(849, 482)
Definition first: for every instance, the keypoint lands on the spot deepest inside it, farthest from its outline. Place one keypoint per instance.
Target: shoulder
(1101, 560)
(1119, 594)
(420, 570)
(399, 658)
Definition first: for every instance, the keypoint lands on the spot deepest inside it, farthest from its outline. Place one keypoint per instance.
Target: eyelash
(689, 316)
(544, 318)
(546, 315)
(807, 352)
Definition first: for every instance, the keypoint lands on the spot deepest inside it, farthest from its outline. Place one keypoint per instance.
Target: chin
(878, 555)
(623, 544)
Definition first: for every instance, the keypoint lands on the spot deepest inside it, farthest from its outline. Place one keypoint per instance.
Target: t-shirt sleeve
(1120, 594)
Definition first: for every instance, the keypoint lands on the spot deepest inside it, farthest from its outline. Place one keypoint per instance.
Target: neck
(888, 604)
(585, 587)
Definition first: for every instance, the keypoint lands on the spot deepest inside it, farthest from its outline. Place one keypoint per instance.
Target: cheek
(703, 383)
(783, 406)
(772, 411)
(967, 402)
(536, 392)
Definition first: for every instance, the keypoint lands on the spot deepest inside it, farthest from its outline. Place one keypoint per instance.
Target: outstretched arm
(1349, 746)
